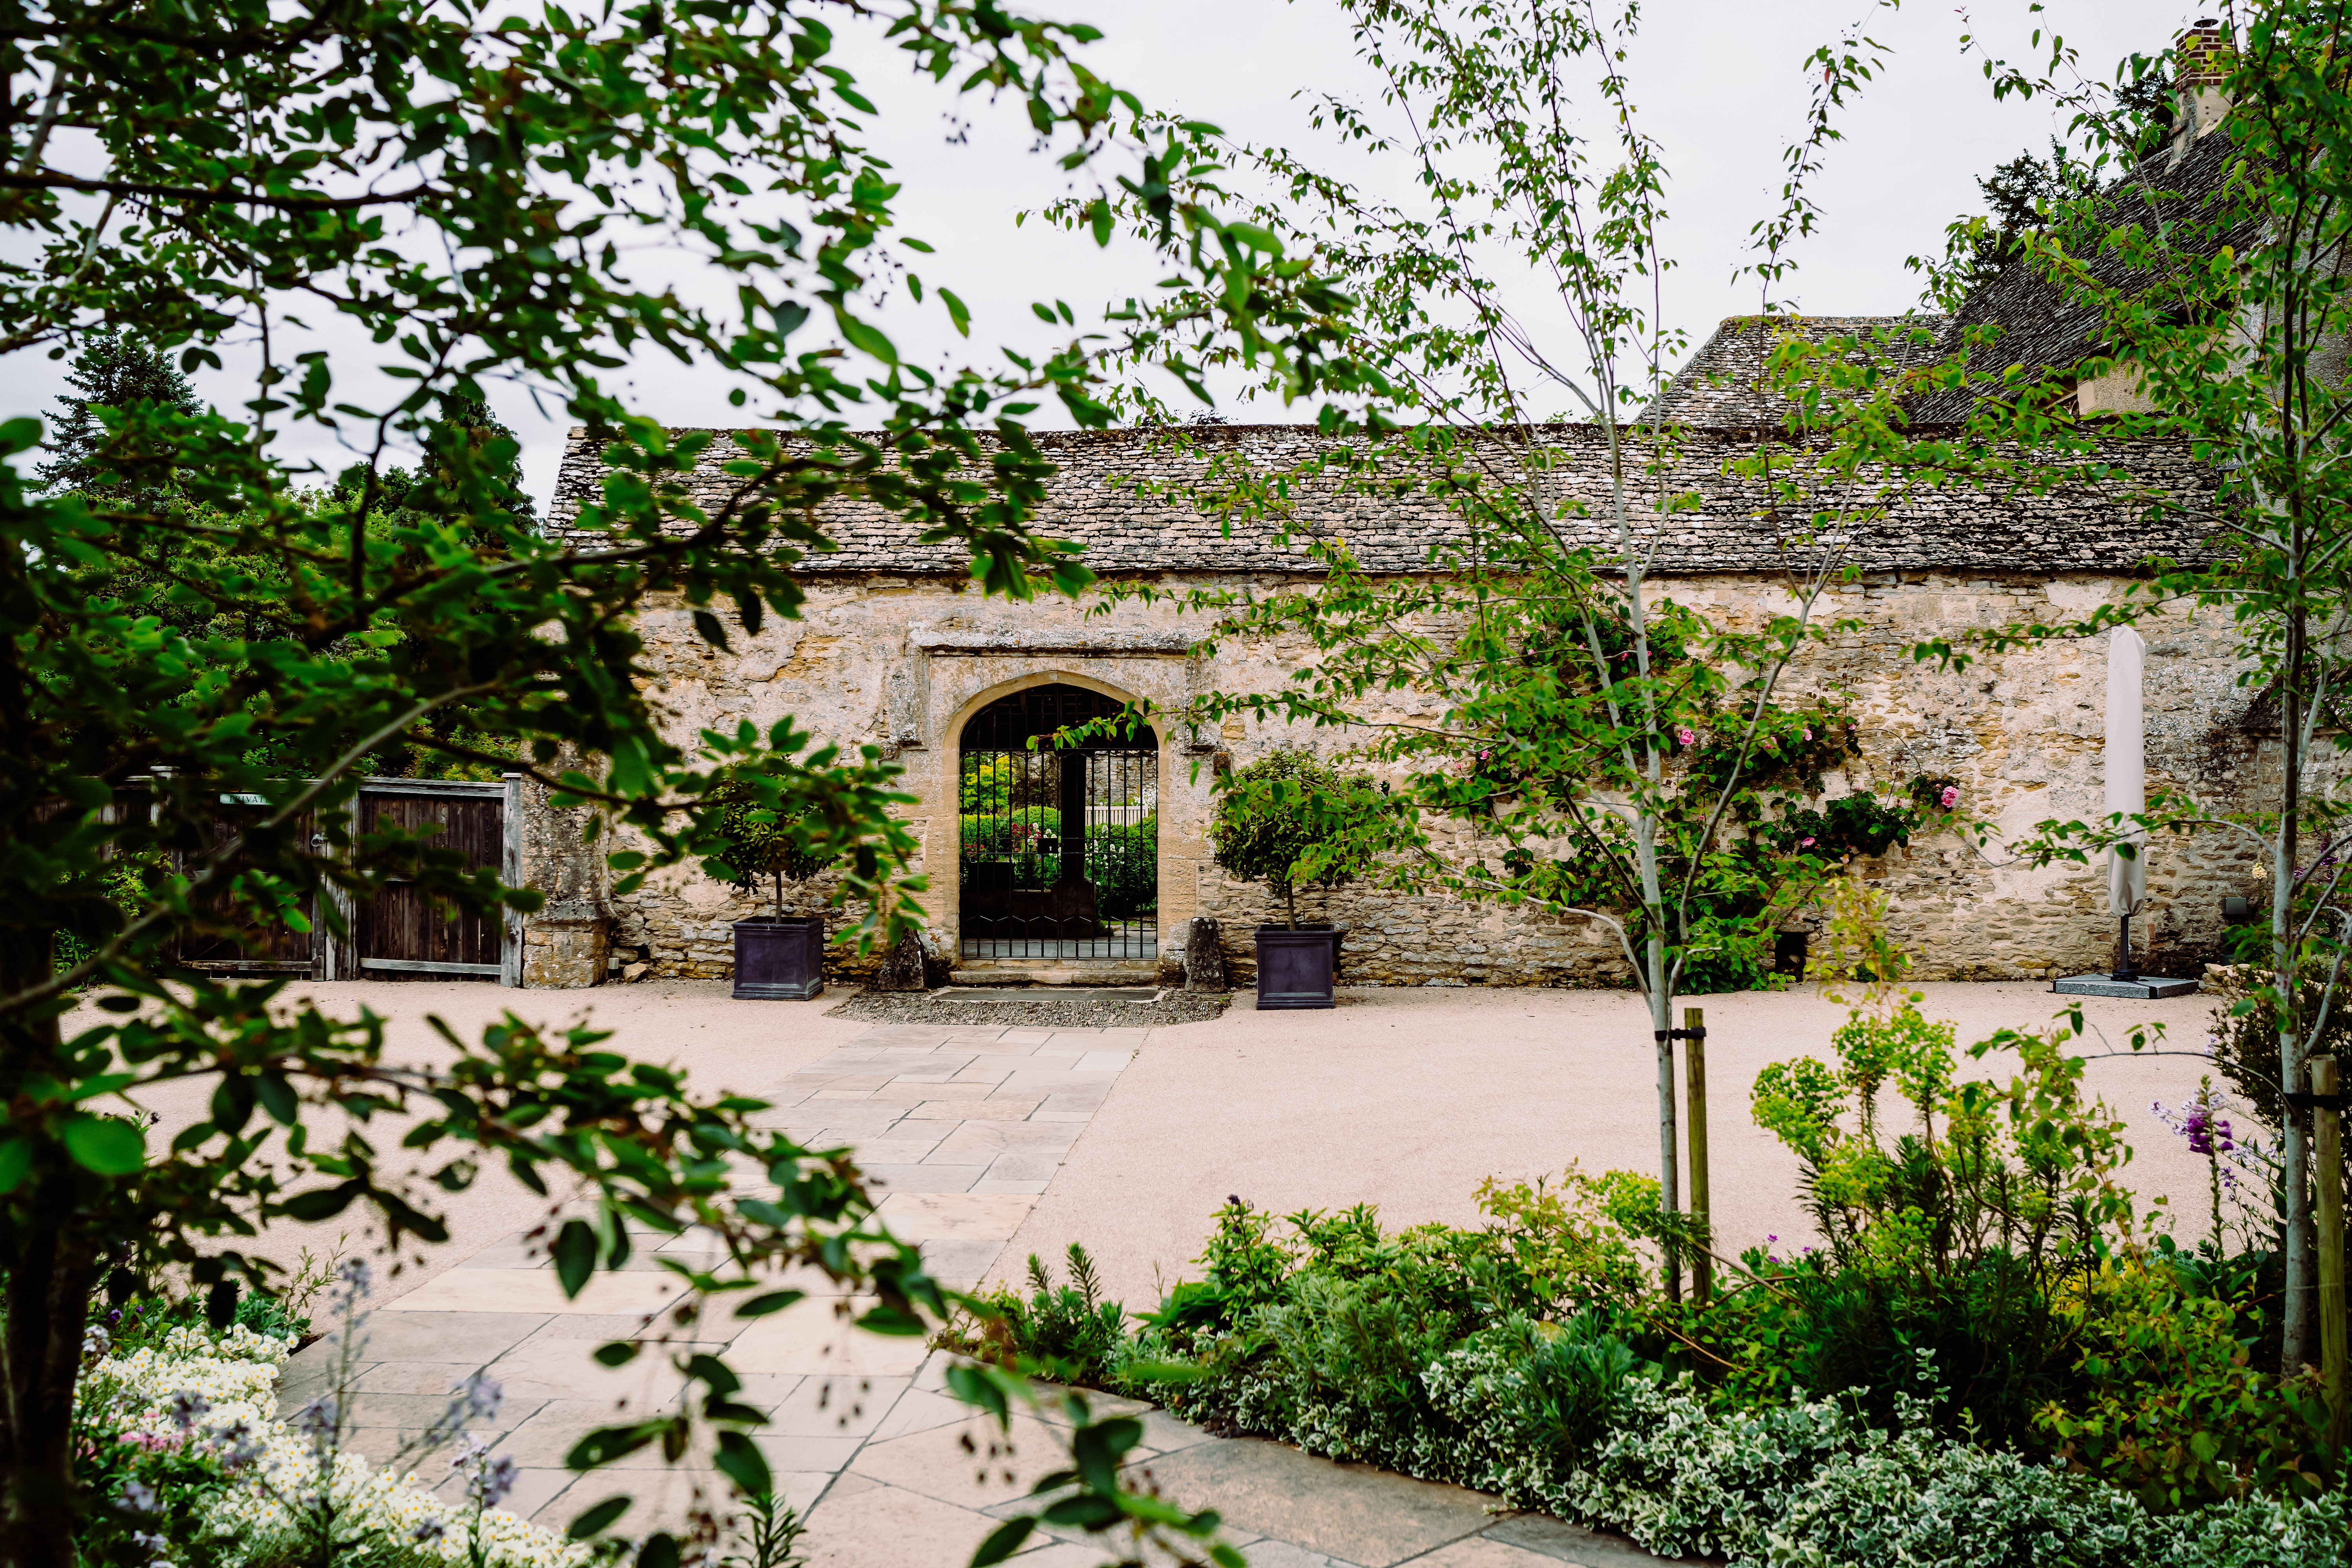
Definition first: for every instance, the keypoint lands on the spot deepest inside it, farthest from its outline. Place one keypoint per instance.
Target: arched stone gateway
(1057, 848)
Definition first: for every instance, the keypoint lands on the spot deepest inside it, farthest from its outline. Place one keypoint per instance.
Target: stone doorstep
(1056, 971)
(1023, 991)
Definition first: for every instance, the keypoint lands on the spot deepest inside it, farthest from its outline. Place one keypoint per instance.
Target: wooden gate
(257, 947)
(402, 933)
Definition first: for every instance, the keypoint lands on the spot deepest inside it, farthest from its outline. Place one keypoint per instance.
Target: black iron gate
(1060, 846)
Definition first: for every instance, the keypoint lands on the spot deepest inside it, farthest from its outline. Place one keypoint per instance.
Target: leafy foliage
(2208, 298)
(754, 833)
(1067, 1330)
(1288, 819)
(467, 194)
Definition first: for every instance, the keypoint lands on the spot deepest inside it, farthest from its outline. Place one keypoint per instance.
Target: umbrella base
(2146, 988)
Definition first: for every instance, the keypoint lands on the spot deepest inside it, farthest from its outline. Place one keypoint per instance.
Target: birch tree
(1601, 751)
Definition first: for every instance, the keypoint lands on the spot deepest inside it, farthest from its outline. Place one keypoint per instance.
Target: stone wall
(903, 660)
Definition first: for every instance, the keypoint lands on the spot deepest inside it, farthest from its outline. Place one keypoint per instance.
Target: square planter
(779, 961)
(1297, 968)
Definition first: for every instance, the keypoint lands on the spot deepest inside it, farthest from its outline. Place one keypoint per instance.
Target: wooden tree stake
(1695, 1092)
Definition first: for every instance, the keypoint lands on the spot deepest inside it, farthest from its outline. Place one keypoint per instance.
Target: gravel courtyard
(1406, 1099)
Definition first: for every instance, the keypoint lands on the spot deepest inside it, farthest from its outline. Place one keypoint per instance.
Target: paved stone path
(962, 1129)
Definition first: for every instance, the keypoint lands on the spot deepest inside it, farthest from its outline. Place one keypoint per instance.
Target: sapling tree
(1288, 819)
(469, 190)
(750, 837)
(1560, 731)
(2215, 274)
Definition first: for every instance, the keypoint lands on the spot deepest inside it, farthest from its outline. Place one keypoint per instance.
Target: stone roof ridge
(1718, 387)
(1102, 499)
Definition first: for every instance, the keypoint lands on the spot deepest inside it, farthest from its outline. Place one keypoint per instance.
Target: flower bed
(201, 1470)
(1994, 1358)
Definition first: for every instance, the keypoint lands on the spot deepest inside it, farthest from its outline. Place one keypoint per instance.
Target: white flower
(226, 1386)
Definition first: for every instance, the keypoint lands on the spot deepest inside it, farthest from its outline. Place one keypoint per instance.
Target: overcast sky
(1719, 82)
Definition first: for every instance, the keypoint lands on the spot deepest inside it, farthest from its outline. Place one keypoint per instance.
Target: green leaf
(321, 1204)
(958, 312)
(277, 1097)
(660, 1551)
(597, 1518)
(772, 1301)
(1004, 1541)
(15, 1160)
(867, 338)
(606, 1443)
(891, 1320)
(233, 1104)
(620, 1353)
(708, 628)
(740, 1460)
(575, 1255)
(106, 1145)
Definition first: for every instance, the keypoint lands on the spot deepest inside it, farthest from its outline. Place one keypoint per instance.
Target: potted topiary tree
(778, 958)
(1288, 820)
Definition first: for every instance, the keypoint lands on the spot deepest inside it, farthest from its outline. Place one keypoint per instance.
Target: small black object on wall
(779, 960)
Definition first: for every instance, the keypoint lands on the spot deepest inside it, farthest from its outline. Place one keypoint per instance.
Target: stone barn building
(898, 648)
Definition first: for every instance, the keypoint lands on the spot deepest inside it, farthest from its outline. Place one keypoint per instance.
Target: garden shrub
(1529, 1358)
(1069, 1332)
(2167, 1401)
(1288, 820)
(1124, 859)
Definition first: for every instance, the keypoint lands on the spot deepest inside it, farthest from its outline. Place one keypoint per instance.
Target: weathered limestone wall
(901, 661)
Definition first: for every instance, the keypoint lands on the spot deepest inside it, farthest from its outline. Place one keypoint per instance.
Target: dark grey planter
(1297, 968)
(779, 961)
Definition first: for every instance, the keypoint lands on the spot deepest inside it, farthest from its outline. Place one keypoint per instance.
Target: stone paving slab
(960, 1129)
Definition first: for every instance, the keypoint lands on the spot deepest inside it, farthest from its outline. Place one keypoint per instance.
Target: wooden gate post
(1695, 1092)
(510, 873)
(339, 951)
(2327, 1159)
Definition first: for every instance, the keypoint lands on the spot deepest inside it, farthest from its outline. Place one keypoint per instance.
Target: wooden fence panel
(256, 946)
(402, 931)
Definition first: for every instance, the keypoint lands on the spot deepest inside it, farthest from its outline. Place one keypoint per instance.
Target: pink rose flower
(1686, 735)
(1808, 733)
(1950, 797)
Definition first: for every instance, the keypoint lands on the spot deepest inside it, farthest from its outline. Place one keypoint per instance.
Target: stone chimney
(2202, 58)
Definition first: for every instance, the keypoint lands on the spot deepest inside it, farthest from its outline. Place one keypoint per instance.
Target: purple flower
(477, 1397)
(138, 1497)
(316, 1420)
(115, 1316)
(1950, 797)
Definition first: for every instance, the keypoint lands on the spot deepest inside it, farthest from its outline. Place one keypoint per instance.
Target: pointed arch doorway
(1058, 850)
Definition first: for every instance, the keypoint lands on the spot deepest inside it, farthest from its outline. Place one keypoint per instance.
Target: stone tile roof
(1717, 389)
(1095, 500)
(2041, 326)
